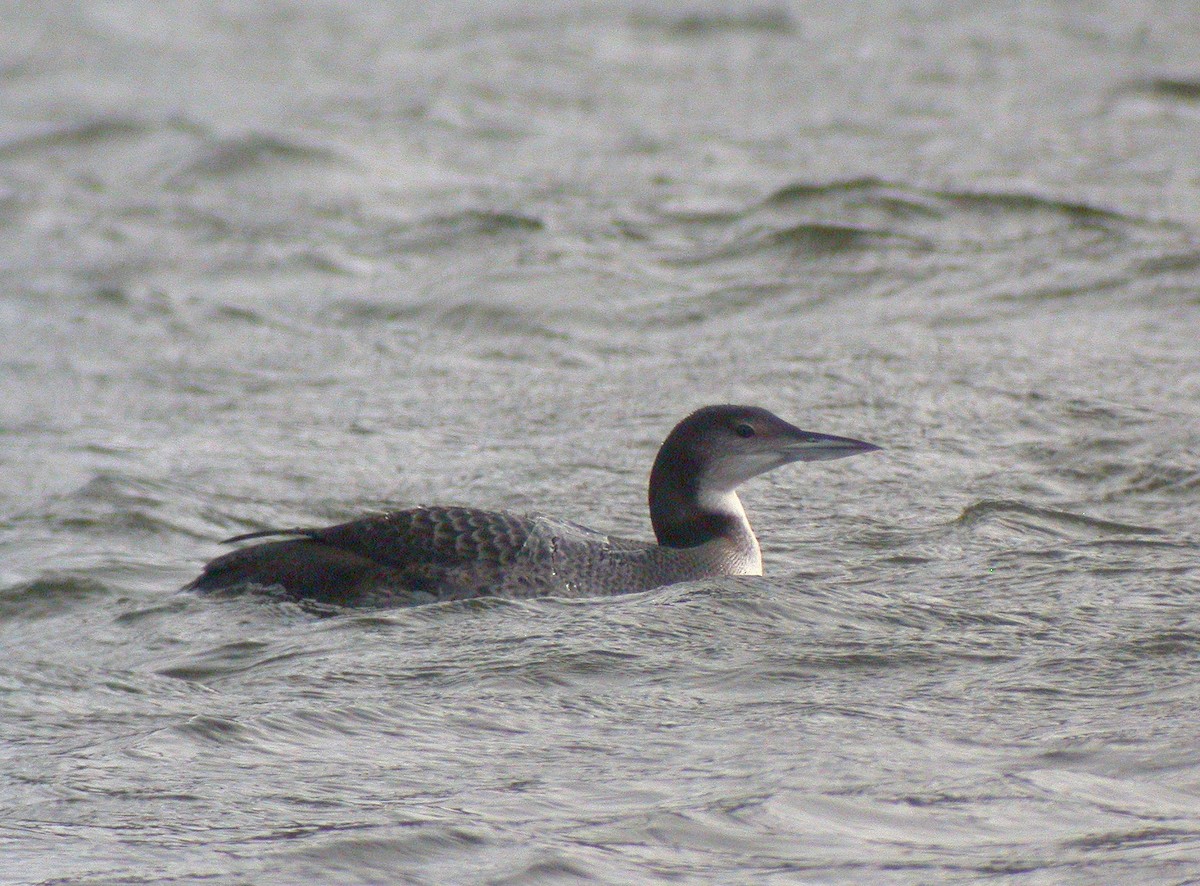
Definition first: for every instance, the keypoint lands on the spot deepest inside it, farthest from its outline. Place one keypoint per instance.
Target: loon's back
(428, 554)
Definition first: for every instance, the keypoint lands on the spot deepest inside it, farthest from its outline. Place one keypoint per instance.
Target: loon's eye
(744, 430)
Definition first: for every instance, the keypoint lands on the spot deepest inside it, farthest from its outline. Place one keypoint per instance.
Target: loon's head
(712, 452)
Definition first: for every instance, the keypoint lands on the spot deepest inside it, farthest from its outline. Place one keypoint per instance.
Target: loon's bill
(427, 554)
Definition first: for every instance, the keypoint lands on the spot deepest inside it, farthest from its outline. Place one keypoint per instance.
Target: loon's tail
(301, 568)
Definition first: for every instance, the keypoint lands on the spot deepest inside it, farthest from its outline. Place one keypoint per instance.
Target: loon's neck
(685, 513)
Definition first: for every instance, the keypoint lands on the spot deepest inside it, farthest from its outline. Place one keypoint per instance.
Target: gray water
(271, 264)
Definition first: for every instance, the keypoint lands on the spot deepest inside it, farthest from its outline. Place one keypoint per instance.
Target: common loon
(426, 554)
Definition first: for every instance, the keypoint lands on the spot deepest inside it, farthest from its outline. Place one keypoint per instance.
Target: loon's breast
(445, 553)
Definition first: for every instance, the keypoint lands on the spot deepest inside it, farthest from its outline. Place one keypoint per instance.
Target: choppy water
(267, 264)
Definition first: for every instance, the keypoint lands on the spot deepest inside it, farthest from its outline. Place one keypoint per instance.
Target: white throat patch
(745, 556)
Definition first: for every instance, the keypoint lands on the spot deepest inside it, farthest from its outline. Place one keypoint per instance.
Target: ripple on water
(49, 595)
(227, 659)
(242, 155)
(425, 850)
(1025, 519)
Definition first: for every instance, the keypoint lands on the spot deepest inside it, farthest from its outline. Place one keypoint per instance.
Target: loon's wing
(438, 551)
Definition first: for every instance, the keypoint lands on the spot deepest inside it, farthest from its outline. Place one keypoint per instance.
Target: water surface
(280, 264)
